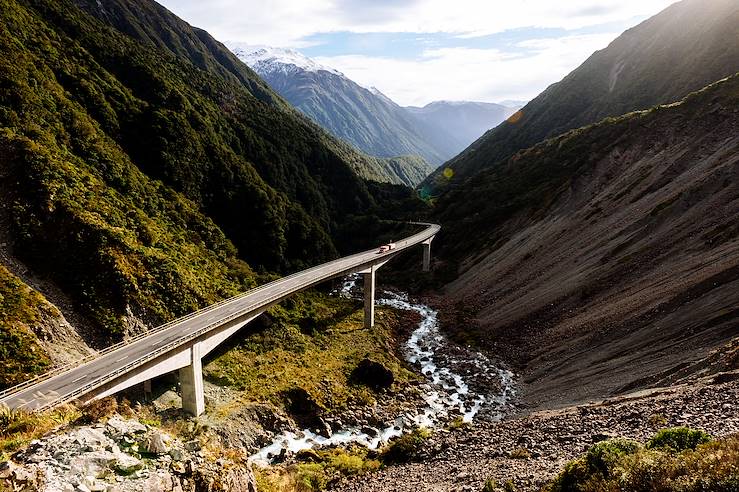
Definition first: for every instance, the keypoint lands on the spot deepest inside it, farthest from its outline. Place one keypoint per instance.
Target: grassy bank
(21, 308)
(311, 342)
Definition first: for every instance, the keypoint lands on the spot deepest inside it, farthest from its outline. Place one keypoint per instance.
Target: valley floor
(463, 459)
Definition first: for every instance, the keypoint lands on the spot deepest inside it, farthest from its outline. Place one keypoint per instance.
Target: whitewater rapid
(447, 393)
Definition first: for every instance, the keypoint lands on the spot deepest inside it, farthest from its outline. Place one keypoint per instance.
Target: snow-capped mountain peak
(271, 59)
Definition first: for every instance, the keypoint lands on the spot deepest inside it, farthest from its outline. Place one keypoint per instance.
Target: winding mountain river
(460, 383)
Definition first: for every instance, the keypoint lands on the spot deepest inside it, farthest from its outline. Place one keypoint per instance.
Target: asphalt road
(76, 381)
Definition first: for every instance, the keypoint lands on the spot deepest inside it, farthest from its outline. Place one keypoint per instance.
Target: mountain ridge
(679, 50)
(610, 249)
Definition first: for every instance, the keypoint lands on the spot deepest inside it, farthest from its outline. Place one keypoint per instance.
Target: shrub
(13, 420)
(596, 463)
(657, 420)
(311, 476)
(678, 439)
(603, 455)
(520, 454)
(710, 466)
(19, 427)
(99, 409)
(349, 464)
(406, 448)
(490, 485)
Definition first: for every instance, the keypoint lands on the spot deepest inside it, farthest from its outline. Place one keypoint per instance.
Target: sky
(419, 51)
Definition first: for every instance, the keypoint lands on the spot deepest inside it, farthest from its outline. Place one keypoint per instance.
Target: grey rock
(154, 443)
(122, 426)
(126, 464)
(192, 446)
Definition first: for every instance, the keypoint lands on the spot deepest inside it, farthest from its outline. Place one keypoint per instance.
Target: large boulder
(118, 426)
(303, 407)
(92, 463)
(155, 443)
(373, 375)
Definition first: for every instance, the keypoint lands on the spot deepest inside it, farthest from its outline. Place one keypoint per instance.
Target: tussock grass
(18, 427)
(325, 467)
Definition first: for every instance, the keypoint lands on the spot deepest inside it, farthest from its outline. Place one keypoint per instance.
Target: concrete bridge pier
(427, 254)
(147, 390)
(191, 383)
(369, 296)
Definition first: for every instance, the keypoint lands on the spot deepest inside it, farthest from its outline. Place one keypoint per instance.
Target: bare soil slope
(608, 254)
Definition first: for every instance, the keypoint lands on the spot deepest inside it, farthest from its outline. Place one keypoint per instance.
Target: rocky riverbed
(529, 450)
(458, 384)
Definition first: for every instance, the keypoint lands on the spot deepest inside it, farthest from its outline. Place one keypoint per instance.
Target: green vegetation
(673, 460)
(312, 343)
(493, 486)
(21, 309)
(678, 439)
(18, 428)
(405, 448)
(316, 470)
(144, 166)
(520, 454)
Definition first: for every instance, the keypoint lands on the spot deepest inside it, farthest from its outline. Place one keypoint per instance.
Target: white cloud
(471, 74)
(287, 22)
(440, 73)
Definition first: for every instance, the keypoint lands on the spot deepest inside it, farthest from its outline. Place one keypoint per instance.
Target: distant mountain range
(365, 117)
(463, 121)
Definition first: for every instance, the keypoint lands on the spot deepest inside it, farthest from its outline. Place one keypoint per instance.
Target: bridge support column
(427, 255)
(369, 297)
(191, 384)
(147, 390)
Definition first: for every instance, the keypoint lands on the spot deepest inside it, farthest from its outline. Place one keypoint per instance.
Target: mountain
(513, 103)
(147, 172)
(682, 49)
(364, 117)
(607, 257)
(463, 121)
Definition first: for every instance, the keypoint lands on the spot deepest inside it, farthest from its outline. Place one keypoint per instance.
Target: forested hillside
(143, 170)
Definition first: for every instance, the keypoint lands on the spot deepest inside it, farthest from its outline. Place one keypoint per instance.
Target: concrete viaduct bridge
(181, 344)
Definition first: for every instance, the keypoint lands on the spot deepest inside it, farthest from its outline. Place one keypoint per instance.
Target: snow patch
(269, 59)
